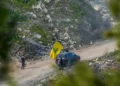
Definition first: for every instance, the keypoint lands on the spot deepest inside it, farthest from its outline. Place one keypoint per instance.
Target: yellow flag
(57, 47)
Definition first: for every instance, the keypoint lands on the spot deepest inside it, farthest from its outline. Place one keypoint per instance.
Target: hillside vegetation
(41, 22)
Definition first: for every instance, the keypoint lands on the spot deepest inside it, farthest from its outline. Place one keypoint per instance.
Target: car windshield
(61, 55)
(67, 55)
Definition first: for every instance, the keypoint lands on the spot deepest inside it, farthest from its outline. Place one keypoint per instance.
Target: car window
(60, 56)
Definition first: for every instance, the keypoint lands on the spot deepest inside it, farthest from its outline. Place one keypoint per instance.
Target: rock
(97, 8)
(47, 1)
(32, 14)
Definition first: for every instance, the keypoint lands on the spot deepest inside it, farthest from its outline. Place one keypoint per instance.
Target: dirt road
(42, 68)
(96, 50)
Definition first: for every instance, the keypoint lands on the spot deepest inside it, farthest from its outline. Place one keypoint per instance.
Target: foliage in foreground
(83, 75)
(7, 33)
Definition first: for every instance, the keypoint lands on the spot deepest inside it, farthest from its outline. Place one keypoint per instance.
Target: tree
(7, 33)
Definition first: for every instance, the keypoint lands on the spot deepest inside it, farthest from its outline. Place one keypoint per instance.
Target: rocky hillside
(102, 7)
(72, 22)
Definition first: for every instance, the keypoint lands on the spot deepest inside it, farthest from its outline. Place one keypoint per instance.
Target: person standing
(61, 63)
(22, 62)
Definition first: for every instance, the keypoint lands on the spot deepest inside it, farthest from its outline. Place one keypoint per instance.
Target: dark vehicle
(67, 59)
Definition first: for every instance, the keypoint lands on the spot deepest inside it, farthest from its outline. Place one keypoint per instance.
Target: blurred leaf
(114, 6)
(3, 15)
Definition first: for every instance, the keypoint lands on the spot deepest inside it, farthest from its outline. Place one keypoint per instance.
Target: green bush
(7, 33)
(17, 16)
(46, 36)
(24, 3)
(77, 11)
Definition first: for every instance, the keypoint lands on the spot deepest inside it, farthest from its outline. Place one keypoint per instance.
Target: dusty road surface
(96, 50)
(39, 69)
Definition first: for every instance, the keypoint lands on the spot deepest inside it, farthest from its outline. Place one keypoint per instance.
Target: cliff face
(72, 22)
